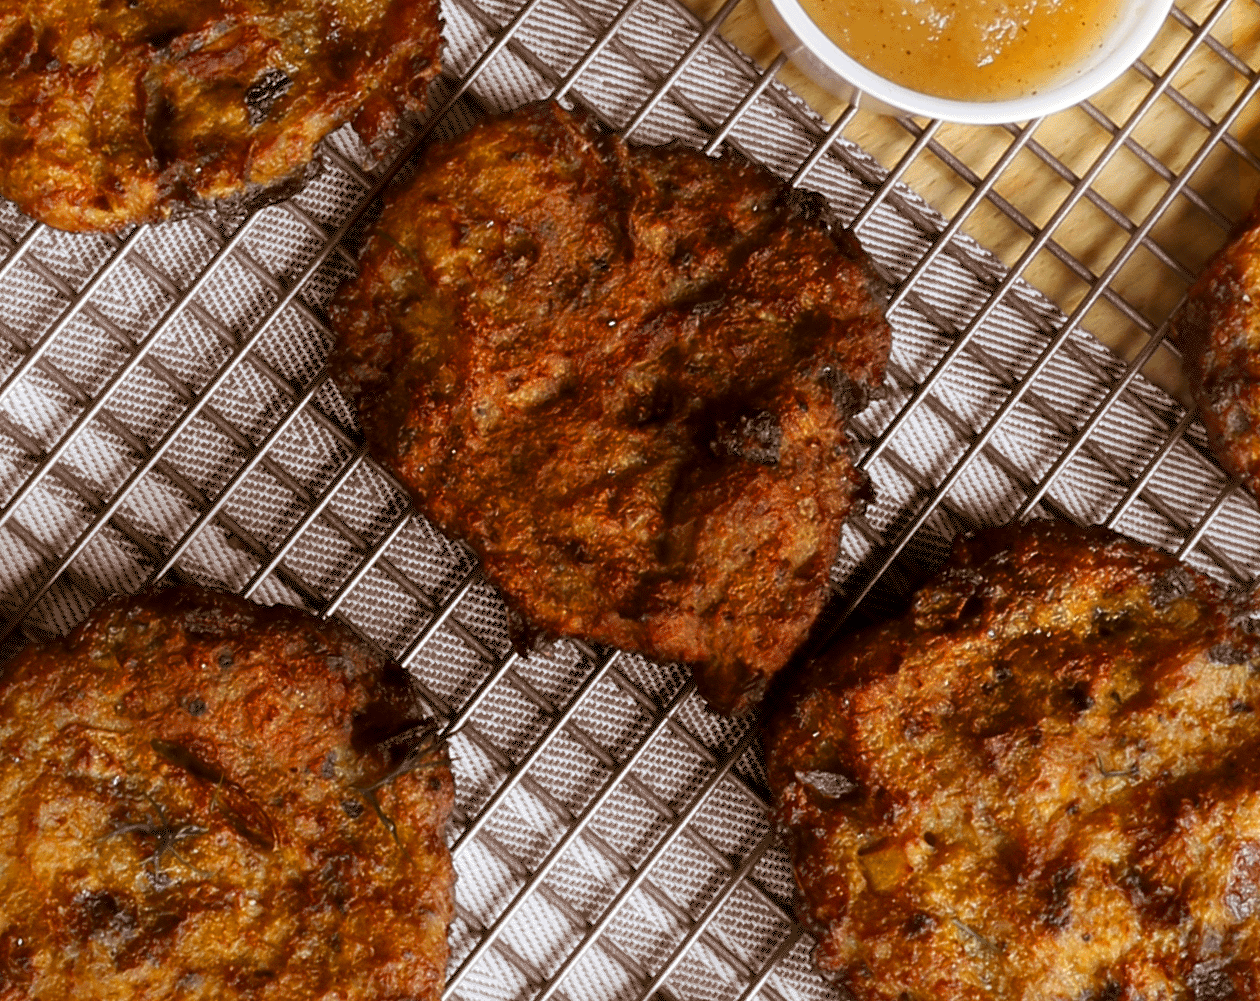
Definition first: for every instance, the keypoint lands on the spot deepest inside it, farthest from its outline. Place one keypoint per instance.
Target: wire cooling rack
(164, 413)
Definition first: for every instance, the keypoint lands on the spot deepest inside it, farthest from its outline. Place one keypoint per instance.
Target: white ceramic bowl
(806, 44)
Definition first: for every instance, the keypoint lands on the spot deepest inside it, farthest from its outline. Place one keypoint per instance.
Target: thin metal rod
(285, 299)
(734, 881)
(1087, 429)
(680, 67)
(889, 183)
(268, 566)
(1193, 538)
(542, 744)
(1017, 394)
(750, 98)
(17, 248)
(89, 413)
(980, 193)
(613, 908)
(596, 47)
(77, 301)
(611, 784)
(825, 142)
(756, 985)
(1015, 274)
(1139, 485)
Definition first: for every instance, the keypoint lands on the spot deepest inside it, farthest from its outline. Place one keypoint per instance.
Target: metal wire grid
(609, 833)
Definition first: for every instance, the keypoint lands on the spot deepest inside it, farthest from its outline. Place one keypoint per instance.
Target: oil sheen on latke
(126, 111)
(201, 798)
(623, 375)
(1040, 783)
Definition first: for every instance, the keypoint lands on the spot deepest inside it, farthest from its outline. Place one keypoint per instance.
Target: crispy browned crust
(1038, 784)
(622, 373)
(1218, 331)
(119, 111)
(188, 710)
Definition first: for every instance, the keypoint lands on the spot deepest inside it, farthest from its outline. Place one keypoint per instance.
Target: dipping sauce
(975, 50)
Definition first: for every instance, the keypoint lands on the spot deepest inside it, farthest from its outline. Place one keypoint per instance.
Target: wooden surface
(1186, 233)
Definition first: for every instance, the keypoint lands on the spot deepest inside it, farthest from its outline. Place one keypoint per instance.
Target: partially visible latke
(1039, 783)
(122, 111)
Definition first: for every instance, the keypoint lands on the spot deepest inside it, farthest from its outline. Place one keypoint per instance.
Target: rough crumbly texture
(622, 374)
(1218, 331)
(1039, 784)
(117, 112)
(183, 811)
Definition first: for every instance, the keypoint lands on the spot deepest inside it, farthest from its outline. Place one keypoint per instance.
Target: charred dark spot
(246, 818)
(647, 401)
(18, 49)
(847, 396)
(1157, 902)
(161, 39)
(225, 660)
(1058, 910)
(100, 917)
(754, 439)
(396, 711)
(1078, 696)
(1226, 653)
(249, 981)
(151, 944)
(197, 706)
(164, 923)
(1240, 707)
(1107, 624)
(264, 92)
(1002, 672)
(182, 757)
(598, 266)
(919, 923)
(352, 808)
(1172, 584)
(807, 204)
(17, 962)
(328, 767)
(97, 909)
(833, 785)
(1111, 992)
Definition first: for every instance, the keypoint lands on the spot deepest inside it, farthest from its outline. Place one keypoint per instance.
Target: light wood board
(1169, 135)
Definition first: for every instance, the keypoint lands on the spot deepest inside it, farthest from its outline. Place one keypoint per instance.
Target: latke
(1040, 783)
(622, 374)
(121, 111)
(203, 798)
(1218, 331)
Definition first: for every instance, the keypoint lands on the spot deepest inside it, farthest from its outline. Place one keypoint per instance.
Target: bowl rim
(1135, 27)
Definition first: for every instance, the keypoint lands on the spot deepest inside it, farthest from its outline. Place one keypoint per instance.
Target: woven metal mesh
(163, 413)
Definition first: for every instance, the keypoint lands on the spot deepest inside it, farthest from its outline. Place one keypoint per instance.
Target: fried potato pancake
(118, 111)
(1040, 783)
(203, 798)
(1218, 331)
(622, 374)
